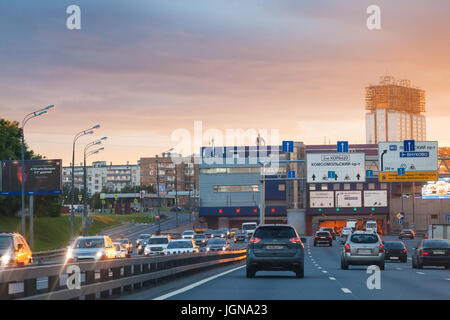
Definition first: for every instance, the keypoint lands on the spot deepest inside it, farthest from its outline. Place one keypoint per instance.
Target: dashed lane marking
(332, 278)
(346, 290)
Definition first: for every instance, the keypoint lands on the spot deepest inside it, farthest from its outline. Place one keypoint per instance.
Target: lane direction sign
(335, 167)
(342, 146)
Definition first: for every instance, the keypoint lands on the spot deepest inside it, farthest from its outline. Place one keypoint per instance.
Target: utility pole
(159, 199)
(176, 194)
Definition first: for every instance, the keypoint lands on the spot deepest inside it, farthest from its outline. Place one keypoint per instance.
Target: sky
(146, 69)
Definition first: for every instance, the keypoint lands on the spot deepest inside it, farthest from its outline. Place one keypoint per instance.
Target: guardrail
(114, 276)
(41, 256)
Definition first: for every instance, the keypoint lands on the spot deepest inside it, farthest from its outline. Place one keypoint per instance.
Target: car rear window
(436, 244)
(5, 242)
(323, 234)
(158, 241)
(364, 238)
(396, 245)
(179, 244)
(275, 232)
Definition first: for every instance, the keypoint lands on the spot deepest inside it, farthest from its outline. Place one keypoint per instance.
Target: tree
(10, 149)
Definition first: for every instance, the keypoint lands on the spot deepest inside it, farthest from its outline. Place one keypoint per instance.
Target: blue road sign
(331, 174)
(414, 154)
(401, 171)
(288, 146)
(342, 146)
(447, 218)
(409, 145)
(291, 174)
(393, 147)
(400, 221)
(369, 173)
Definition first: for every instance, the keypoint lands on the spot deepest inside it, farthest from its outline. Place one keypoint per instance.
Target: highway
(324, 279)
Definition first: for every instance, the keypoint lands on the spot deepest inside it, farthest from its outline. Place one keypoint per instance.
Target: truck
(249, 228)
(438, 231)
(371, 226)
(352, 224)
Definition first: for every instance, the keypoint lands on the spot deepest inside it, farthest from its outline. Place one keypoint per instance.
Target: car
(91, 248)
(362, 248)
(240, 236)
(218, 244)
(141, 242)
(225, 231)
(275, 247)
(346, 231)
(14, 250)
(127, 243)
(200, 240)
(156, 245)
(331, 231)
(395, 251)
(176, 209)
(434, 252)
(121, 250)
(208, 233)
(181, 246)
(323, 237)
(407, 233)
(188, 234)
(219, 234)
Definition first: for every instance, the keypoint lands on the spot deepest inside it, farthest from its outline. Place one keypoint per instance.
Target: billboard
(436, 190)
(41, 177)
(375, 198)
(335, 167)
(348, 199)
(321, 199)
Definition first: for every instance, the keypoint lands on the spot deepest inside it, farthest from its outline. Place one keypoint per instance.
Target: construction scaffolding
(395, 95)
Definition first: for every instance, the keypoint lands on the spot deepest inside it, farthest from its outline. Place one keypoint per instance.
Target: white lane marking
(346, 290)
(332, 278)
(324, 271)
(447, 279)
(409, 258)
(196, 284)
(418, 272)
(319, 267)
(398, 268)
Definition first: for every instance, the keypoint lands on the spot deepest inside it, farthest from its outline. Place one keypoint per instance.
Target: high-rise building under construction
(395, 111)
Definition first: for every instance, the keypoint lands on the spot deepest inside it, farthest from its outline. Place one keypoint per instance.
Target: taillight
(404, 251)
(347, 248)
(381, 248)
(316, 236)
(295, 240)
(255, 240)
(424, 253)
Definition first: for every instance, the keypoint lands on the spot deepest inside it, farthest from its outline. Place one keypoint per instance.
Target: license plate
(438, 252)
(394, 258)
(274, 247)
(322, 238)
(364, 251)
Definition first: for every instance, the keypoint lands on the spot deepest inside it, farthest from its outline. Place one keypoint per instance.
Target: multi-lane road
(324, 279)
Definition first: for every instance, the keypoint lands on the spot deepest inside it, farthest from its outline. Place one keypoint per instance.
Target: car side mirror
(19, 246)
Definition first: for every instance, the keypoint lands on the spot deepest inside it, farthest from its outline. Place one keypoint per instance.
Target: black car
(395, 251)
(331, 231)
(208, 233)
(240, 236)
(219, 234)
(176, 209)
(323, 237)
(434, 252)
(200, 239)
(406, 233)
(275, 247)
(218, 244)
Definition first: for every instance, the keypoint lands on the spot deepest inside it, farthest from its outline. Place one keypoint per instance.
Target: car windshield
(217, 241)
(406, 231)
(123, 241)
(179, 244)
(88, 243)
(364, 238)
(199, 236)
(249, 226)
(275, 232)
(144, 236)
(394, 245)
(5, 242)
(188, 233)
(158, 241)
(436, 244)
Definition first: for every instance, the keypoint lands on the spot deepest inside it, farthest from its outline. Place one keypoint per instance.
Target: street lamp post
(29, 116)
(85, 211)
(78, 135)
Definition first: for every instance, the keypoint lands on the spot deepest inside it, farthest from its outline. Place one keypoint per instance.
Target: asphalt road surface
(324, 279)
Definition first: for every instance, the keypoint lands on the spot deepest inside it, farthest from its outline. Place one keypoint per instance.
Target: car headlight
(99, 254)
(224, 248)
(69, 255)
(5, 258)
(207, 249)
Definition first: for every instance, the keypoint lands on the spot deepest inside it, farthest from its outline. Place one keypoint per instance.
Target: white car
(156, 245)
(121, 250)
(188, 234)
(346, 231)
(181, 246)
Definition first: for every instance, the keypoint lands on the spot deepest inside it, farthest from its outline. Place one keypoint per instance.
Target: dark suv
(275, 247)
(331, 231)
(323, 237)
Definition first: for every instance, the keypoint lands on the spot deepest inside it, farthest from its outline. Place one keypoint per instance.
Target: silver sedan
(362, 248)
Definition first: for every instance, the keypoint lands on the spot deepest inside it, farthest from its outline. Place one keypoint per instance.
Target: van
(14, 250)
